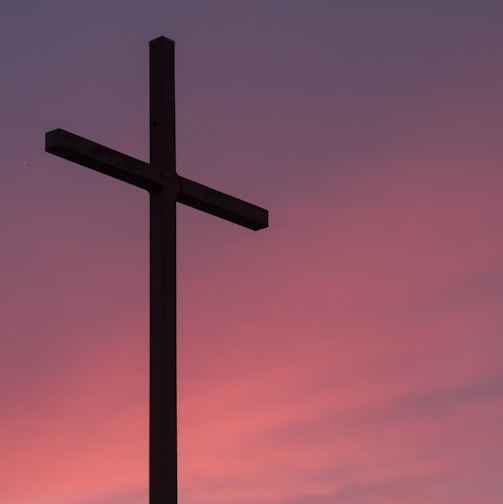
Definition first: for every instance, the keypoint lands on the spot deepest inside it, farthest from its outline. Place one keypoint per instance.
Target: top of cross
(160, 173)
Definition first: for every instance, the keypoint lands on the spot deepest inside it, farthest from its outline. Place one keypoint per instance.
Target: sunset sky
(352, 352)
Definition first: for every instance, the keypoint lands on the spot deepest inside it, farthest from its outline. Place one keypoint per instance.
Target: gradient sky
(349, 354)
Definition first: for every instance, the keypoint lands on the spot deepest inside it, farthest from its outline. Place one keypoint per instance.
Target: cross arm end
(97, 157)
(222, 205)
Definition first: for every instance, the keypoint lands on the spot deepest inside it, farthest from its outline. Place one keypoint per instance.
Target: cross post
(166, 188)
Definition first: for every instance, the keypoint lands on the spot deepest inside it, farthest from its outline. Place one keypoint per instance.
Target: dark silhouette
(159, 177)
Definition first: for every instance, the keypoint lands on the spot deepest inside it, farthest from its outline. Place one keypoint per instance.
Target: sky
(350, 353)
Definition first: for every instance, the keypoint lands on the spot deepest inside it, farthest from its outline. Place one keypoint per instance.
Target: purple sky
(349, 354)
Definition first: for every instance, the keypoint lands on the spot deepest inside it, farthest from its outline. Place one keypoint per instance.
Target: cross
(166, 187)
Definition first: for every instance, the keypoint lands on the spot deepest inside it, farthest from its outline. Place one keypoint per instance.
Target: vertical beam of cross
(166, 187)
(163, 419)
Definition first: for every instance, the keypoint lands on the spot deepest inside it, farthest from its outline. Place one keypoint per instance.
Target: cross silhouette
(166, 187)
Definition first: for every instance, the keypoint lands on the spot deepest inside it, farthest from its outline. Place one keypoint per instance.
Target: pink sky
(349, 354)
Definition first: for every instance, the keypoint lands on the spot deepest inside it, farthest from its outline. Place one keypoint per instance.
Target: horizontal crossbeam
(221, 205)
(102, 159)
(128, 169)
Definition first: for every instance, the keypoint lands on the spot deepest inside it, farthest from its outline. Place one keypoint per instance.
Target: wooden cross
(159, 177)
